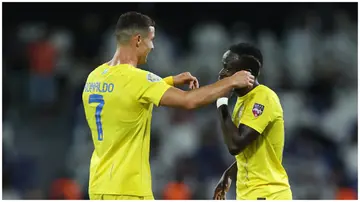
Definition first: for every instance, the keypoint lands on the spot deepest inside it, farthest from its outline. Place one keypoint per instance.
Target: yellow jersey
(260, 172)
(118, 103)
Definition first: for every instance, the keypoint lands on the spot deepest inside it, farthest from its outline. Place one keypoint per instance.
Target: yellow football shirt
(118, 103)
(260, 171)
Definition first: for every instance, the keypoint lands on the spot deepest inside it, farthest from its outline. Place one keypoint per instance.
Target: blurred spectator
(42, 60)
(177, 189)
(65, 189)
(346, 194)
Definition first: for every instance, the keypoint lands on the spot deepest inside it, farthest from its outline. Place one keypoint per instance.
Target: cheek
(146, 46)
(143, 47)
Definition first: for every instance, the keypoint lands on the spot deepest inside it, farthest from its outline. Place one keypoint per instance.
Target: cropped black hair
(131, 23)
(243, 56)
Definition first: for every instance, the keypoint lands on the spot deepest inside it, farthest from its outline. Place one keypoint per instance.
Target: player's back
(120, 126)
(260, 170)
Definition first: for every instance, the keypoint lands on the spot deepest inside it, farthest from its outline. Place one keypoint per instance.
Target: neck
(124, 55)
(243, 91)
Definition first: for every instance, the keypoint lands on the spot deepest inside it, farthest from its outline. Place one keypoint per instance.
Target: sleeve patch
(258, 109)
(153, 77)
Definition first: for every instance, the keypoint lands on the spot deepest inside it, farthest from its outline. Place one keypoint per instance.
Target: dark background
(310, 60)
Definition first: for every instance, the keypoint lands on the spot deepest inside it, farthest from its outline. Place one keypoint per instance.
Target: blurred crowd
(46, 140)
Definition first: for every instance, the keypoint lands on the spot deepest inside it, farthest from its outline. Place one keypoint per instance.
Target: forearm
(208, 94)
(229, 130)
(236, 139)
(175, 97)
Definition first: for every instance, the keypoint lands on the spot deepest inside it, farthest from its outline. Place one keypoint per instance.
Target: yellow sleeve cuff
(169, 80)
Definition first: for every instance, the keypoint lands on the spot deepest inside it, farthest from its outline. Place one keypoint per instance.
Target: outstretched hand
(223, 74)
(186, 78)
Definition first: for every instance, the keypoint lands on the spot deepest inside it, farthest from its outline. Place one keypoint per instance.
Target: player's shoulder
(96, 72)
(265, 90)
(144, 75)
(124, 73)
(107, 71)
(269, 94)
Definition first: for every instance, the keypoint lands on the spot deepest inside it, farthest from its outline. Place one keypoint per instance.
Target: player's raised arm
(175, 97)
(236, 139)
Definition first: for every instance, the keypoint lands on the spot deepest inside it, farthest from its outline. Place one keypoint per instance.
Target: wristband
(169, 80)
(222, 101)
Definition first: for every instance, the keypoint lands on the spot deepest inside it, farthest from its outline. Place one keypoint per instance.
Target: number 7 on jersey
(96, 98)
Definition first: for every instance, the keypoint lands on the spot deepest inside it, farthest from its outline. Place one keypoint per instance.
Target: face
(233, 63)
(145, 45)
(227, 60)
(225, 72)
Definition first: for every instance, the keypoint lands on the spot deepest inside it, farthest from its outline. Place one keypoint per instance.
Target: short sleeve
(257, 112)
(149, 88)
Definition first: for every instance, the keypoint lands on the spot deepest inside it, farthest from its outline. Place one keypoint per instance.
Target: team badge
(105, 71)
(153, 78)
(258, 109)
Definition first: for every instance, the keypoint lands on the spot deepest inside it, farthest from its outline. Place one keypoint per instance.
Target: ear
(138, 40)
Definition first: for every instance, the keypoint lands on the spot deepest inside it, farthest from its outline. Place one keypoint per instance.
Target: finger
(228, 185)
(188, 76)
(192, 78)
(221, 196)
(251, 77)
(191, 85)
(222, 193)
(227, 188)
(196, 82)
(218, 194)
(251, 80)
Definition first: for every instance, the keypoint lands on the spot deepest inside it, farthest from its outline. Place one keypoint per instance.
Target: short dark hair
(131, 23)
(247, 55)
